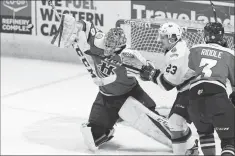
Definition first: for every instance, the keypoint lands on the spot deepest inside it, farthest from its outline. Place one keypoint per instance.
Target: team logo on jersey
(106, 69)
(200, 91)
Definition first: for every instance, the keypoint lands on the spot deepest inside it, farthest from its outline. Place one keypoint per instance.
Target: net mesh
(145, 39)
(144, 33)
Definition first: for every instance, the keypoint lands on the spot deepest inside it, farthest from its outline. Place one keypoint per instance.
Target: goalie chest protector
(123, 83)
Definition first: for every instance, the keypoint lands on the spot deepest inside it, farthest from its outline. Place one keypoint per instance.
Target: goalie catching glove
(68, 32)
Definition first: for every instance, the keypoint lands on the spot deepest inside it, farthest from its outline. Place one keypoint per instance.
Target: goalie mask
(114, 41)
(169, 34)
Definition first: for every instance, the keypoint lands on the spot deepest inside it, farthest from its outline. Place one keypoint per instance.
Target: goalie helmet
(171, 30)
(114, 41)
(214, 33)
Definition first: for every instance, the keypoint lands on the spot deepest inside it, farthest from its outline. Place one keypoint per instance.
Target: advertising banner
(16, 16)
(195, 11)
(103, 14)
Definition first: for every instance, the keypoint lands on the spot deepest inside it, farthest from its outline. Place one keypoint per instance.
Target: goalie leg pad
(88, 137)
(144, 120)
(181, 135)
(94, 142)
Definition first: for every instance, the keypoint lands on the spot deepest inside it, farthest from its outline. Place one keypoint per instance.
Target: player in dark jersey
(118, 92)
(210, 109)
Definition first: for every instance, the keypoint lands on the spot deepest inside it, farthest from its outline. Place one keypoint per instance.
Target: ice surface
(44, 103)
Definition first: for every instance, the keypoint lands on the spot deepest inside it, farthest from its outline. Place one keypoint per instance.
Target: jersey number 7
(207, 64)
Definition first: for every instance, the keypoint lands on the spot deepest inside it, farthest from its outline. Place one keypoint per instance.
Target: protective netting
(144, 33)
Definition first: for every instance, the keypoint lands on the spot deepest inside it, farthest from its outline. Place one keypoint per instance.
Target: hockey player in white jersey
(175, 74)
(119, 94)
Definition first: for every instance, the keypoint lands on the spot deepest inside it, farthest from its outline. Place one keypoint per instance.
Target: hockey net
(142, 35)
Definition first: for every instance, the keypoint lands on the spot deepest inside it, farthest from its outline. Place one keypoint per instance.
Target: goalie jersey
(122, 83)
(176, 72)
(212, 63)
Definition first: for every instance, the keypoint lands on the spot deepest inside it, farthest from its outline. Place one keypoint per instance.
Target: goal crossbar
(155, 23)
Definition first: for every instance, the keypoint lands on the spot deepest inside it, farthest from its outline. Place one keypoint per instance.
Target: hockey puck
(30, 26)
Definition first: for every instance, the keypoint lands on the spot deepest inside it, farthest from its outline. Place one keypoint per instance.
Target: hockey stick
(60, 30)
(114, 62)
(214, 11)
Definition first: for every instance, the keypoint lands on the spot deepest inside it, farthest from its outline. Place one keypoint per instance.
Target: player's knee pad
(181, 134)
(146, 121)
(95, 135)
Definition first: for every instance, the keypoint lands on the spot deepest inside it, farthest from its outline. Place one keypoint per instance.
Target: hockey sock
(228, 146)
(207, 142)
(228, 150)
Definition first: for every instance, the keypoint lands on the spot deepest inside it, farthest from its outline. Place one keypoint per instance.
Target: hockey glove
(232, 97)
(149, 73)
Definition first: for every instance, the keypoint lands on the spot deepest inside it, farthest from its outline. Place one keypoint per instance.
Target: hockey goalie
(120, 95)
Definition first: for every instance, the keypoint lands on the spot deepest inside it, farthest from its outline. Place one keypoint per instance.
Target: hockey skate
(194, 150)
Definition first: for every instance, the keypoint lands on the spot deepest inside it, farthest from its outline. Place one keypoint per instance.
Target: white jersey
(176, 70)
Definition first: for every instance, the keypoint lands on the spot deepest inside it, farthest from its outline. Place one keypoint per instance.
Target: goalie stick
(61, 25)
